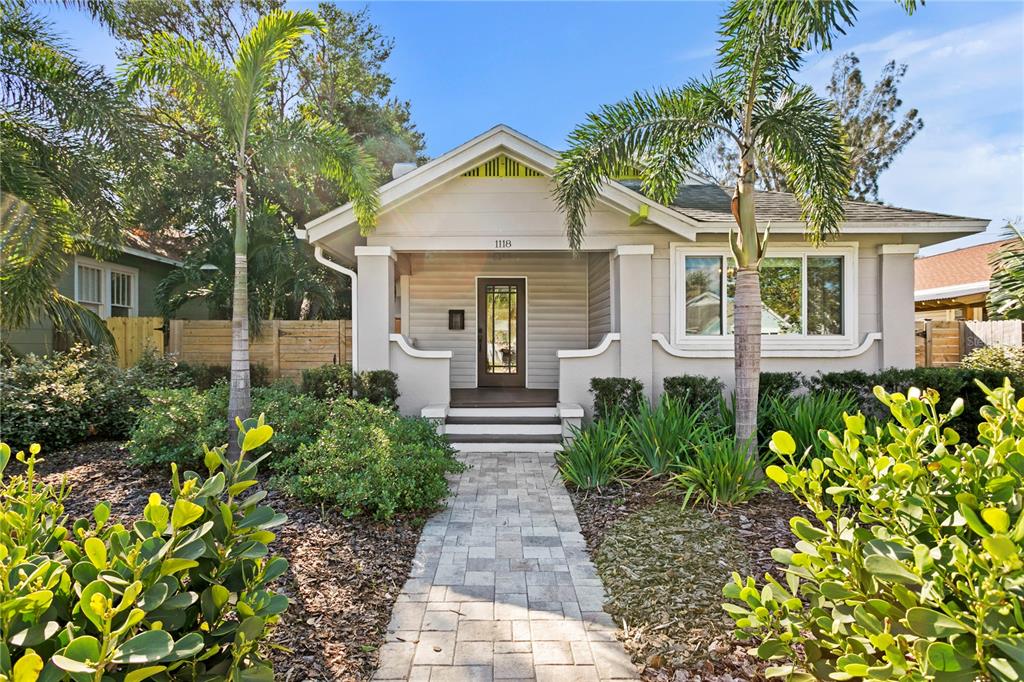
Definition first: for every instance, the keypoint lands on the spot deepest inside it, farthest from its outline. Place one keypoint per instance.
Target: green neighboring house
(123, 287)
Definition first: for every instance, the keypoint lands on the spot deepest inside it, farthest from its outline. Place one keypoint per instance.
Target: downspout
(351, 274)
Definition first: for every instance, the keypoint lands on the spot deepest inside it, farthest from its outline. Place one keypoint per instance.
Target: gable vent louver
(502, 167)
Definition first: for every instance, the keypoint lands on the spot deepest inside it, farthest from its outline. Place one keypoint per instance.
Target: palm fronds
(1005, 299)
(658, 133)
(68, 138)
(804, 137)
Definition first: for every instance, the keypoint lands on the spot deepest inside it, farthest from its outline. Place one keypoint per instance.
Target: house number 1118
(503, 243)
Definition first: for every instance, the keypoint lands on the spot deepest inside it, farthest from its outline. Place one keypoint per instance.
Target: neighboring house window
(805, 294)
(89, 287)
(106, 289)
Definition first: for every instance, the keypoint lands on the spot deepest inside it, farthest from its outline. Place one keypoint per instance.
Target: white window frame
(847, 250)
(105, 293)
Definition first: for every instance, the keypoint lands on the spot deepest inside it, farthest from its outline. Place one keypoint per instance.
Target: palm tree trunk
(747, 351)
(747, 333)
(239, 398)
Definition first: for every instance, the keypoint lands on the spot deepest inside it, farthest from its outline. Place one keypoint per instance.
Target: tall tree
(233, 98)
(876, 129)
(754, 103)
(336, 75)
(68, 141)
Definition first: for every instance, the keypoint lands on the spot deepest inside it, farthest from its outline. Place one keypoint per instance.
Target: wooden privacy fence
(134, 335)
(944, 344)
(285, 347)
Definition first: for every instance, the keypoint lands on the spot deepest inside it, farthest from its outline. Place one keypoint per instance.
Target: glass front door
(501, 332)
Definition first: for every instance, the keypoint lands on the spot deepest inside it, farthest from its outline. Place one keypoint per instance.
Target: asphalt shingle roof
(710, 203)
(963, 266)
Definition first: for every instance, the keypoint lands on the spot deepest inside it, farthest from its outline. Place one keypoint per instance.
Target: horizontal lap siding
(599, 297)
(556, 299)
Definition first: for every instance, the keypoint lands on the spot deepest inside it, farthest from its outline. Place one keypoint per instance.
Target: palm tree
(754, 103)
(67, 140)
(232, 101)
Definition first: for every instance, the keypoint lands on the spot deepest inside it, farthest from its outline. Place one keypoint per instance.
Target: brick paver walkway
(502, 587)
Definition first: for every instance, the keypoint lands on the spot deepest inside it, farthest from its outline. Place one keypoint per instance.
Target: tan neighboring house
(953, 285)
(468, 290)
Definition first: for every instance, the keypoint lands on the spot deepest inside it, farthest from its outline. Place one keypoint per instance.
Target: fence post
(928, 343)
(177, 327)
(275, 363)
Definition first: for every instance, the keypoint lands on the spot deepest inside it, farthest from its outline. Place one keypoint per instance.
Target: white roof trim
(497, 140)
(866, 227)
(151, 256)
(952, 291)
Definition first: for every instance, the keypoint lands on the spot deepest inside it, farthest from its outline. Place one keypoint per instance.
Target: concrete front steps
(507, 429)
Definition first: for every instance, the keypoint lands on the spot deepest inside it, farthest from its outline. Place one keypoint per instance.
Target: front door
(501, 332)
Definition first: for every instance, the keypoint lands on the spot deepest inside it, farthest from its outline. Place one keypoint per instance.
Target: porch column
(632, 268)
(375, 305)
(897, 304)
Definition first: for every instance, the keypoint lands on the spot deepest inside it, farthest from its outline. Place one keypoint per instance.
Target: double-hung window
(806, 294)
(106, 289)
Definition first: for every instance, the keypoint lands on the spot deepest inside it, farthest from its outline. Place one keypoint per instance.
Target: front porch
(503, 397)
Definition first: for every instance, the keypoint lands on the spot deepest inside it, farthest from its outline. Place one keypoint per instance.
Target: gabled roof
(698, 206)
(498, 140)
(960, 272)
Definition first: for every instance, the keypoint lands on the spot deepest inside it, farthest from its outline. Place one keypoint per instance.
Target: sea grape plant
(182, 593)
(909, 564)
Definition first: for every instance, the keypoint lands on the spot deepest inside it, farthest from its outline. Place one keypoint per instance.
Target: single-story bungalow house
(120, 287)
(468, 290)
(954, 285)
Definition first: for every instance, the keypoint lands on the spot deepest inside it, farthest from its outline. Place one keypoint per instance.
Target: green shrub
(909, 564)
(183, 594)
(950, 382)
(804, 416)
(370, 460)
(722, 472)
(379, 387)
(659, 440)
(615, 396)
(779, 384)
(594, 458)
(177, 423)
(205, 377)
(694, 390)
(161, 371)
(1007, 360)
(328, 382)
(66, 397)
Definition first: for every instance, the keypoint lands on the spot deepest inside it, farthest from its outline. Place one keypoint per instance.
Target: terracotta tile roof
(711, 203)
(953, 268)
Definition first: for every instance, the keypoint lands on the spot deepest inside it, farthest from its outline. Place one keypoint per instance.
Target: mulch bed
(344, 578)
(664, 569)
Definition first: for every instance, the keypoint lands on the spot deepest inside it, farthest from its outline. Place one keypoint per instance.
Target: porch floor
(504, 397)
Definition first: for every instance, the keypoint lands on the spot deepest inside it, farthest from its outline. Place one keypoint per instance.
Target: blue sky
(540, 67)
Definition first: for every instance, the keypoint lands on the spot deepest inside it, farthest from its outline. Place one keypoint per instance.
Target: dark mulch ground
(664, 569)
(345, 574)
